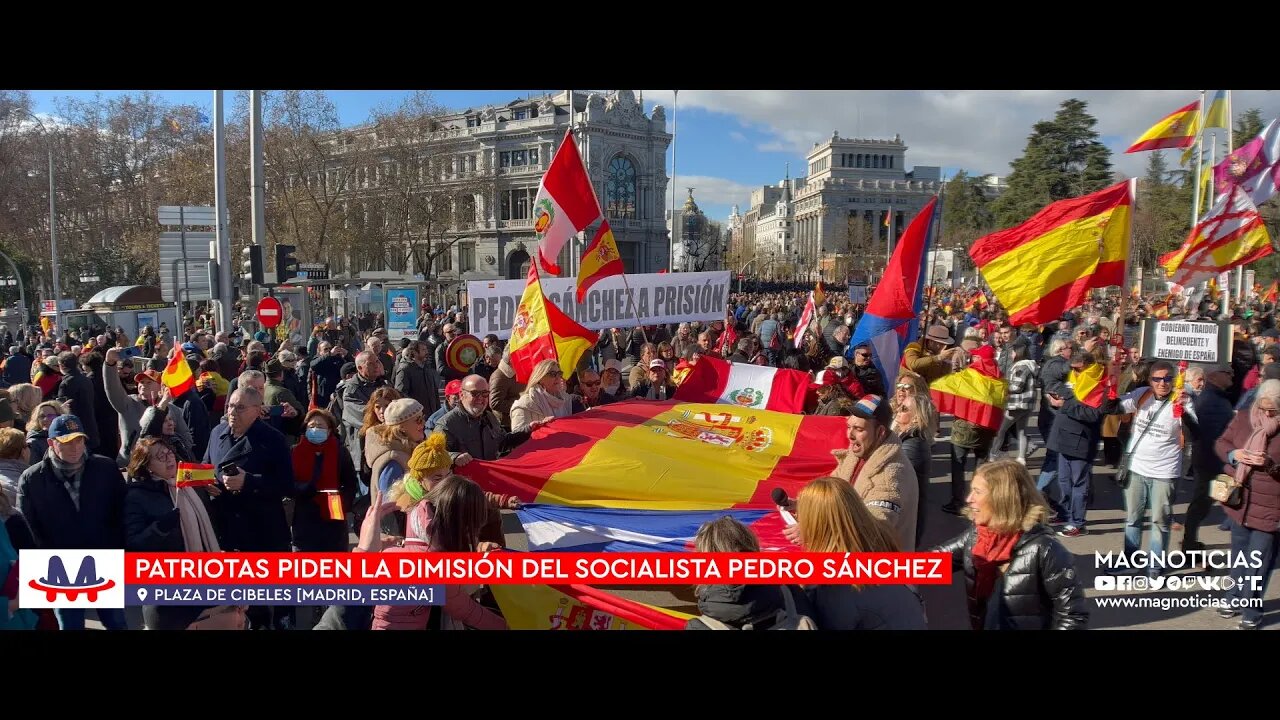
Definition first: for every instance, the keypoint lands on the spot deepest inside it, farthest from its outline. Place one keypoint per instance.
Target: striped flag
(1272, 292)
(600, 260)
(565, 204)
(976, 394)
(1232, 234)
(1176, 130)
(1088, 385)
(802, 326)
(1050, 263)
(542, 331)
(579, 607)
(1254, 166)
(714, 380)
(177, 375)
(195, 475)
(588, 529)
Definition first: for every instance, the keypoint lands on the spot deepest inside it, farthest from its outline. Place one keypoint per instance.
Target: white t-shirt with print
(1159, 455)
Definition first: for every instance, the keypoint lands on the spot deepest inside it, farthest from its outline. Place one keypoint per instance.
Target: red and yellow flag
(543, 332)
(1087, 384)
(976, 394)
(579, 607)
(177, 375)
(1231, 235)
(1272, 292)
(1176, 130)
(600, 260)
(195, 475)
(1049, 263)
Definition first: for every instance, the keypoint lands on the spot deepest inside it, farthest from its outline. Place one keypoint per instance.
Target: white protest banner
(1186, 340)
(656, 298)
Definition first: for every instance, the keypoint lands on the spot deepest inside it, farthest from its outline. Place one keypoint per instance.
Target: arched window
(620, 188)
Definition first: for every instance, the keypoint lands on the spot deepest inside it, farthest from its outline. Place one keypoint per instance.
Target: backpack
(786, 619)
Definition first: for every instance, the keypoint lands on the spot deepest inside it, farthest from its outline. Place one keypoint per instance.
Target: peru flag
(749, 386)
(566, 203)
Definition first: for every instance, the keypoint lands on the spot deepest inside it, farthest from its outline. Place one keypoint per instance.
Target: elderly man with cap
(413, 379)
(452, 394)
(931, 357)
(277, 393)
(129, 408)
(74, 500)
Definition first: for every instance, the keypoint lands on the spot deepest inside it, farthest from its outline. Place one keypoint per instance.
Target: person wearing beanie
(388, 447)
(47, 376)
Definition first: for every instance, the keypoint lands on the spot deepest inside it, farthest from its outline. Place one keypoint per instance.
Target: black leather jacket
(1038, 591)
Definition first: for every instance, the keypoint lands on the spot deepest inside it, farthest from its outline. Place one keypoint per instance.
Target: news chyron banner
(654, 299)
(109, 579)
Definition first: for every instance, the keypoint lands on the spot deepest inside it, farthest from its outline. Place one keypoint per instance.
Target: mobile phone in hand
(276, 411)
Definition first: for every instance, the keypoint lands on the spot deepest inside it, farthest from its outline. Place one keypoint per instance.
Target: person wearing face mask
(159, 516)
(611, 380)
(324, 482)
(544, 398)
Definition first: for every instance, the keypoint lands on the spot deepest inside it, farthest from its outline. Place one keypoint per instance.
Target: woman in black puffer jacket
(1017, 575)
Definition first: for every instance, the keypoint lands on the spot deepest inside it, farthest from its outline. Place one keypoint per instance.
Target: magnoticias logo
(44, 580)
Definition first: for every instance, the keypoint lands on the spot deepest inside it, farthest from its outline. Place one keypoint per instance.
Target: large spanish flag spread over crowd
(666, 456)
(1049, 263)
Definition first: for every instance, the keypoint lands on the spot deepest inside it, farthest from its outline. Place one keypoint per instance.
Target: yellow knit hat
(430, 455)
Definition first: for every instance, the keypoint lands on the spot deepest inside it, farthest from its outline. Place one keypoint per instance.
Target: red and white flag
(565, 203)
(802, 327)
(748, 386)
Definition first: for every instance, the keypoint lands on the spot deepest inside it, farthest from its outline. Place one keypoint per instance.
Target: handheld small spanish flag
(195, 475)
(177, 375)
(333, 504)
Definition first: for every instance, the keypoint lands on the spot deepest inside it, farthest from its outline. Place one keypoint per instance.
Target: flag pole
(1195, 197)
(1117, 336)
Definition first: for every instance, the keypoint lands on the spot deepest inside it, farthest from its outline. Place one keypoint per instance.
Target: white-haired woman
(1251, 449)
(543, 398)
(915, 420)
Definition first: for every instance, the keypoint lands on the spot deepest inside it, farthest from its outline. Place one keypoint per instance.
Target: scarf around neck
(1264, 428)
(990, 551)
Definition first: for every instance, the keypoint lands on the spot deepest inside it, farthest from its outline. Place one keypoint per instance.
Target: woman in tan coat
(543, 398)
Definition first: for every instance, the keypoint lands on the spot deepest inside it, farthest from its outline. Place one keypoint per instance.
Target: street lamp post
(53, 225)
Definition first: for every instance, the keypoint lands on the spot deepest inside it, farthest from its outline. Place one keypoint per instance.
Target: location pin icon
(142, 594)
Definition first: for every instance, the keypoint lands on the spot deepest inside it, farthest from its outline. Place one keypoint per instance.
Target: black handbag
(1122, 473)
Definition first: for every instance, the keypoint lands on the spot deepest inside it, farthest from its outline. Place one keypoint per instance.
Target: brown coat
(1260, 509)
(503, 392)
(917, 360)
(887, 484)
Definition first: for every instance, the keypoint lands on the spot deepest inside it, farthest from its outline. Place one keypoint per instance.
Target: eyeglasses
(477, 393)
(555, 373)
(1162, 379)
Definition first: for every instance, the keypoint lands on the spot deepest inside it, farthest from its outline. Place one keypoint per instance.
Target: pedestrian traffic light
(251, 266)
(286, 263)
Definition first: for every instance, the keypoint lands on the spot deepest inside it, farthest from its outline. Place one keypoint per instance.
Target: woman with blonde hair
(754, 607)
(543, 398)
(38, 428)
(915, 420)
(447, 518)
(374, 413)
(833, 518)
(24, 397)
(1018, 576)
(909, 383)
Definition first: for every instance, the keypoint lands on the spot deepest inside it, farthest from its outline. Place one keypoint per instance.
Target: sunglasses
(1162, 379)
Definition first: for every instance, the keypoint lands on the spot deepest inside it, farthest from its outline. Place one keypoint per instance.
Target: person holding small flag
(325, 484)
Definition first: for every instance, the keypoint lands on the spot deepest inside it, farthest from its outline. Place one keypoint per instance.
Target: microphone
(780, 499)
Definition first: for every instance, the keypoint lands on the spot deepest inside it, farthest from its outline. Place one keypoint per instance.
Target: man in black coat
(1213, 413)
(250, 511)
(74, 500)
(326, 366)
(17, 367)
(1075, 435)
(77, 390)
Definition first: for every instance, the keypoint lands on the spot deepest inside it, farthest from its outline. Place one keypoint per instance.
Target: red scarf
(305, 455)
(989, 552)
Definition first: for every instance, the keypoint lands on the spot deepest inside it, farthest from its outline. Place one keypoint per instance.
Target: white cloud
(737, 136)
(980, 130)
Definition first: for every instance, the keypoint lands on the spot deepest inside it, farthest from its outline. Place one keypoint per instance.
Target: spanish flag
(579, 607)
(542, 331)
(1231, 235)
(1049, 263)
(976, 394)
(177, 375)
(1272, 292)
(600, 260)
(1176, 130)
(195, 475)
(1087, 384)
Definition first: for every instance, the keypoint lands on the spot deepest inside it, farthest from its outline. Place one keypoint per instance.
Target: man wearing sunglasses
(472, 430)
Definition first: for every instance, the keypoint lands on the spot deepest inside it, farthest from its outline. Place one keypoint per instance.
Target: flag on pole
(195, 475)
(1254, 166)
(1050, 263)
(745, 385)
(889, 322)
(1231, 235)
(887, 216)
(542, 331)
(1272, 292)
(177, 375)
(565, 203)
(802, 326)
(600, 260)
(1176, 130)
(1216, 115)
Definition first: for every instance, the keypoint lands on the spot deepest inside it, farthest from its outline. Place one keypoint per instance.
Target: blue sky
(730, 141)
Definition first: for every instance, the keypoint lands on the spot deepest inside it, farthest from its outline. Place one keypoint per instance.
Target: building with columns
(838, 210)
(496, 156)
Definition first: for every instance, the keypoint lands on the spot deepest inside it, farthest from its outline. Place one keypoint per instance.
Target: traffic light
(286, 263)
(251, 266)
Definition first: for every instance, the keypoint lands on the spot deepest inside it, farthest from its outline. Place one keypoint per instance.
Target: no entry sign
(269, 312)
